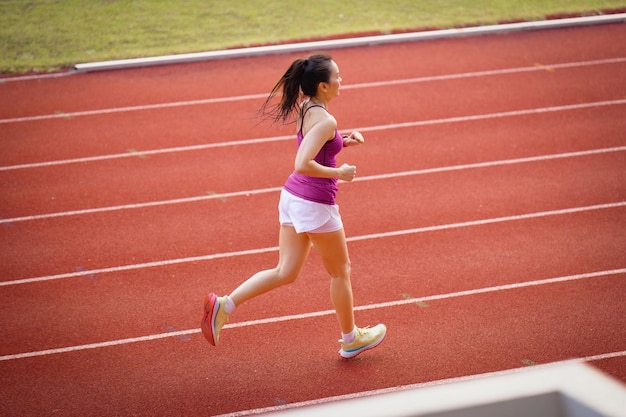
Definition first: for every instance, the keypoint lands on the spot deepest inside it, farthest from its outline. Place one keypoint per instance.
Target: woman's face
(334, 84)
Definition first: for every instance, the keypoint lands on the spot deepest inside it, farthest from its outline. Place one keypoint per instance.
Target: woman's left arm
(353, 139)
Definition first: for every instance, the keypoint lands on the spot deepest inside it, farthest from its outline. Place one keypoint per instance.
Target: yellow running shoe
(365, 339)
(214, 318)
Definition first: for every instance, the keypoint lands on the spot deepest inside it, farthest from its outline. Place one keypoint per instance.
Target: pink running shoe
(215, 317)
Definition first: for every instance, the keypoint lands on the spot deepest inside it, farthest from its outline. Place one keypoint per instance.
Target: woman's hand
(347, 172)
(355, 138)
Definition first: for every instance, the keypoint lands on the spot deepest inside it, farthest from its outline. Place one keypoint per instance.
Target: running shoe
(365, 339)
(214, 318)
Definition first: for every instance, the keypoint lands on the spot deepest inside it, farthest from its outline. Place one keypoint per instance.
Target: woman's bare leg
(293, 251)
(333, 249)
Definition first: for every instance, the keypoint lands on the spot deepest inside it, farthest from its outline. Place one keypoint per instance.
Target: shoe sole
(350, 355)
(211, 306)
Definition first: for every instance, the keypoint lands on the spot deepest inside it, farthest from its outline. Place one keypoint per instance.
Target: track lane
(450, 338)
(138, 179)
(95, 135)
(60, 245)
(436, 262)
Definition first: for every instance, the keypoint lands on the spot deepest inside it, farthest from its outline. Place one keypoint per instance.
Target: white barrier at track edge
(347, 43)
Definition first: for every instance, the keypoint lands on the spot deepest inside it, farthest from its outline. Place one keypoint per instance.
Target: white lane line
(363, 394)
(534, 68)
(488, 221)
(148, 152)
(395, 303)
(524, 112)
(418, 123)
(276, 189)
(141, 205)
(349, 239)
(447, 77)
(63, 115)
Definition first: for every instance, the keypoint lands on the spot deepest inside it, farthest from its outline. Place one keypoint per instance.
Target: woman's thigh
(333, 249)
(294, 249)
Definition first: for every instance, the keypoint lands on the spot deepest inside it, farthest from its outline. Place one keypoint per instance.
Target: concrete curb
(347, 43)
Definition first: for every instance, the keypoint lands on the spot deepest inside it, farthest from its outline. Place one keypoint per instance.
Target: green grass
(47, 35)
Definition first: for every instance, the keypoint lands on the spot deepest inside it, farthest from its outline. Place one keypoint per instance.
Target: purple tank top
(319, 190)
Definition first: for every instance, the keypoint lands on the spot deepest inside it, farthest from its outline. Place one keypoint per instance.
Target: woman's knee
(340, 271)
(286, 275)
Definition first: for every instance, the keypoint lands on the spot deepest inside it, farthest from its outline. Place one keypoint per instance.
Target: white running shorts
(307, 216)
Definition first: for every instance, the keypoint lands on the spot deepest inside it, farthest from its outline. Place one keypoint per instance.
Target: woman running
(308, 214)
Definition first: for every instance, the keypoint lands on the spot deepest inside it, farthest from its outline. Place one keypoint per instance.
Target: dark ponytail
(301, 79)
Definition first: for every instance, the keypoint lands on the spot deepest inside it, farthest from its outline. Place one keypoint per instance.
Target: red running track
(487, 226)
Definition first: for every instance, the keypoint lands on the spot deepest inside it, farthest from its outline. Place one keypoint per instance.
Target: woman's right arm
(316, 137)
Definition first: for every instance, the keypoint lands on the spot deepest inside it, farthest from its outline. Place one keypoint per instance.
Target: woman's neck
(318, 102)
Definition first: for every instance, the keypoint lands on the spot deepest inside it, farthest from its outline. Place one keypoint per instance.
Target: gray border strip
(347, 43)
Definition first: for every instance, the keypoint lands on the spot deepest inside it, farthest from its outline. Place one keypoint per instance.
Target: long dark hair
(301, 79)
